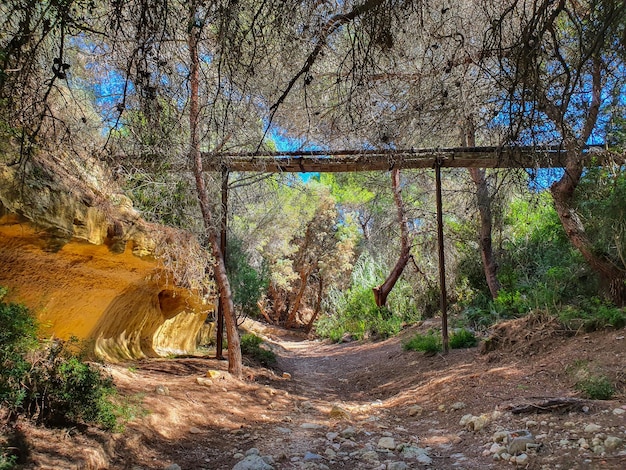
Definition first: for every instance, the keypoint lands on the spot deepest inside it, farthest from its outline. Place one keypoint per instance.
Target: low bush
(596, 387)
(462, 339)
(50, 381)
(591, 315)
(251, 346)
(429, 343)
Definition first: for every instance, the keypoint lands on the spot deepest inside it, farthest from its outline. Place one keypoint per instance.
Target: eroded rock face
(88, 270)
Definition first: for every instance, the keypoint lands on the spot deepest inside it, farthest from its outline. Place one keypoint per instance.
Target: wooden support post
(219, 342)
(442, 262)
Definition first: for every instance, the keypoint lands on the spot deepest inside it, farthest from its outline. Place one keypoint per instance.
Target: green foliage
(251, 346)
(7, 462)
(596, 387)
(353, 311)
(600, 200)
(17, 339)
(462, 339)
(539, 269)
(429, 343)
(593, 314)
(592, 383)
(247, 283)
(51, 381)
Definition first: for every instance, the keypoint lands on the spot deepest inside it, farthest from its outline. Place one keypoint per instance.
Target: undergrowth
(354, 312)
(251, 346)
(430, 343)
(50, 380)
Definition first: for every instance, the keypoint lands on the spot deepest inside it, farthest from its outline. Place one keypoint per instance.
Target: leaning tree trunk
(382, 291)
(612, 278)
(195, 157)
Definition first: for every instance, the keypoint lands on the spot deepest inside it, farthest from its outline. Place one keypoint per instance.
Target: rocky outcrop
(86, 264)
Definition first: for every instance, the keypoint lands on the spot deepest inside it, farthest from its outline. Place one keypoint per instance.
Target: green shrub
(596, 387)
(251, 346)
(428, 343)
(462, 339)
(353, 311)
(7, 462)
(593, 314)
(247, 283)
(50, 381)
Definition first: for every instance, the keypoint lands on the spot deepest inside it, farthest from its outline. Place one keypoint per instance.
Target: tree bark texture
(382, 291)
(195, 157)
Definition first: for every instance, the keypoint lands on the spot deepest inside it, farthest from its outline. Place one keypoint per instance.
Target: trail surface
(361, 405)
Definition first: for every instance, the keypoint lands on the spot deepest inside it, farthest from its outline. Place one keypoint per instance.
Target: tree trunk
(304, 279)
(318, 305)
(484, 209)
(382, 291)
(612, 278)
(234, 348)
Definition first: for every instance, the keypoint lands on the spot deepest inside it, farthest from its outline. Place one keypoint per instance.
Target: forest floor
(362, 405)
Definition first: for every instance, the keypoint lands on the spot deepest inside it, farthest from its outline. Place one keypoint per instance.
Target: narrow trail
(361, 405)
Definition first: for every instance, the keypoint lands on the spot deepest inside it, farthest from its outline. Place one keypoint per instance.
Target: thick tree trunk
(382, 291)
(234, 348)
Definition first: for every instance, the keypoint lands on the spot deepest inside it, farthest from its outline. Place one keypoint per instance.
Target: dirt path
(358, 406)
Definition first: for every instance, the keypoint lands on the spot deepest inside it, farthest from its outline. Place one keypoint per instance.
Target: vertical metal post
(219, 341)
(442, 261)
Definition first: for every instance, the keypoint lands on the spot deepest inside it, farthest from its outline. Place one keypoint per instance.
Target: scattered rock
(311, 426)
(253, 451)
(286, 375)
(253, 462)
(591, 428)
(283, 430)
(619, 411)
(612, 442)
(337, 412)
(415, 410)
(204, 381)
(162, 390)
(459, 405)
(194, 430)
(521, 459)
(173, 466)
(213, 374)
(397, 466)
(500, 436)
(348, 432)
(474, 423)
(369, 456)
(413, 452)
(309, 456)
(387, 443)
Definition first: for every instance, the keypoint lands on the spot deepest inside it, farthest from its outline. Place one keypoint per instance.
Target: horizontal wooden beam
(319, 161)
